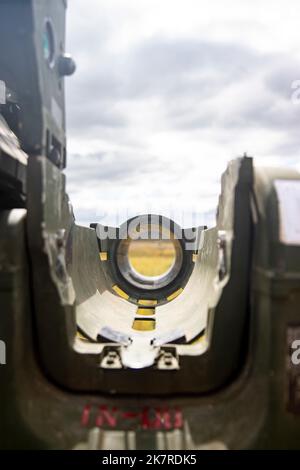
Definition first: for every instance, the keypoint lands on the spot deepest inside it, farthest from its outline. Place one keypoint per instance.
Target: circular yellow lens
(151, 258)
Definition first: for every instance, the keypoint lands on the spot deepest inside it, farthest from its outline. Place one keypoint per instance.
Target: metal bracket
(111, 359)
(168, 360)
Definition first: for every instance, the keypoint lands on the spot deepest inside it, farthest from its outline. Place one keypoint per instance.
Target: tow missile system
(97, 352)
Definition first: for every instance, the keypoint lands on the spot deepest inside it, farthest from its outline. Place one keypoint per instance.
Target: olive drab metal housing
(218, 368)
(32, 65)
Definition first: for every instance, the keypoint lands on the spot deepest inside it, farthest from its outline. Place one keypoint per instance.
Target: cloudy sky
(167, 92)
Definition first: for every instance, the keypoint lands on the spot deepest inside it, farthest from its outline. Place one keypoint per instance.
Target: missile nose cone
(66, 65)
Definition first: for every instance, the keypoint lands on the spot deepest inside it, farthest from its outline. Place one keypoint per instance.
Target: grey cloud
(109, 167)
(289, 148)
(185, 74)
(94, 115)
(270, 107)
(281, 77)
(155, 68)
(265, 112)
(161, 67)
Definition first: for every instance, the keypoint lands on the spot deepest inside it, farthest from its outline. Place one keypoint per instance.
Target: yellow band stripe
(175, 294)
(145, 311)
(143, 325)
(147, 303)
(120, 292)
